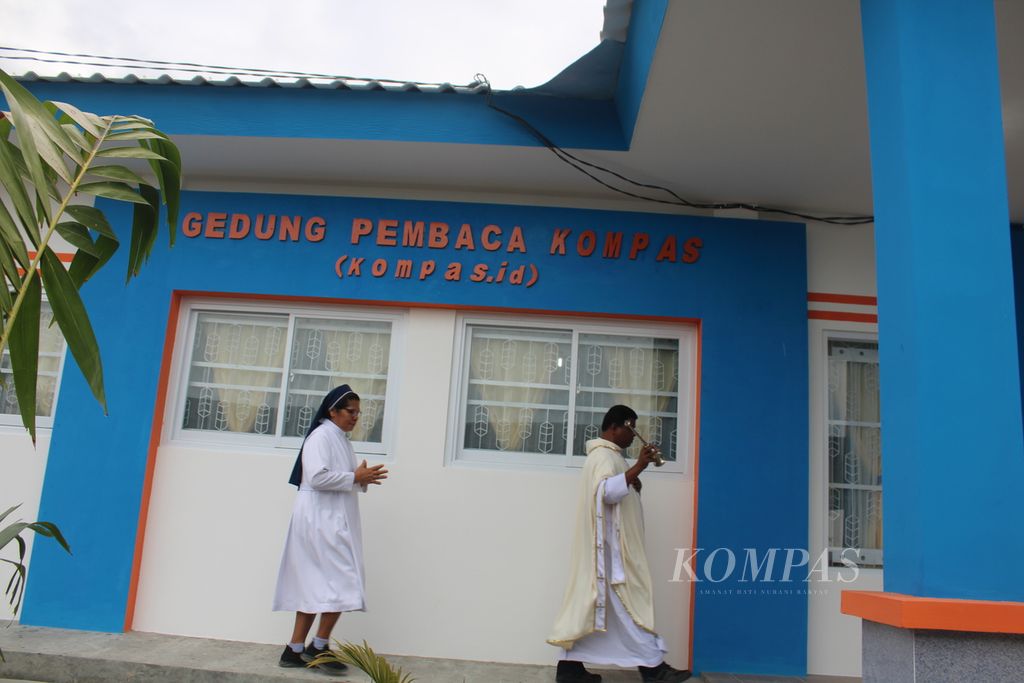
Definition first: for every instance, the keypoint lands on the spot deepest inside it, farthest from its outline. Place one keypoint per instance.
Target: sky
(512, 42)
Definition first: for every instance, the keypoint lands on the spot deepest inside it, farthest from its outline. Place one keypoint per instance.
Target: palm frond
(366, 660)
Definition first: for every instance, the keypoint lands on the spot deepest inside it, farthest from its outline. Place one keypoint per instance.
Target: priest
(607, 614)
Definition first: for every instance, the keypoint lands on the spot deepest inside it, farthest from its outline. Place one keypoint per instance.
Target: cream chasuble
(615, 560)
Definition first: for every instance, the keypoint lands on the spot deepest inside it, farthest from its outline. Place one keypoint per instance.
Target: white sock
(297, 647)
(319, 643)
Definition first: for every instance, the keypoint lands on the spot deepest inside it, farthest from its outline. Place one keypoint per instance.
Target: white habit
(617, 640)
(322, 566)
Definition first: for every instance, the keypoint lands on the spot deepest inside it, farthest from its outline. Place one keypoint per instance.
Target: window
(51, 358)
(854, 452)
(535, 393)
(258, 376)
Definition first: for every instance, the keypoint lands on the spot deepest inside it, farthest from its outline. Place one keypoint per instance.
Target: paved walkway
(65, 656)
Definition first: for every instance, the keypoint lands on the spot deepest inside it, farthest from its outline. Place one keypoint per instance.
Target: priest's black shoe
(663, 673)
(290, 658)
(573, 672)
(334, 668)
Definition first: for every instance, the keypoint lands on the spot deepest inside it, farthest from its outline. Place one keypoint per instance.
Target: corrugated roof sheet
(234, 80)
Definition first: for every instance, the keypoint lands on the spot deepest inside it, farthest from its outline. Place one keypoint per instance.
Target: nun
(322, 565)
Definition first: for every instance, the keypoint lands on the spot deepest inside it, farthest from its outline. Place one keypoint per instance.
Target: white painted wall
(21, 480)
(462, 562)
(840, 260)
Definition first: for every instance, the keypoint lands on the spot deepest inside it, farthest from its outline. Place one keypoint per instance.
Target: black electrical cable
(480, 81)
(578, 164)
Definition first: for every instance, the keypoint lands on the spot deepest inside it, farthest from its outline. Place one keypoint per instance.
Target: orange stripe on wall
(154, 444)
(843, 315)
(696, 486)
(64, 256)
(842, 298)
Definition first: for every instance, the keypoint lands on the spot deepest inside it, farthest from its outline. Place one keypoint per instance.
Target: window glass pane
(51, 349)
(854, 450)
(517, 390)
(641, 372)
(326, 353)
(235, 373)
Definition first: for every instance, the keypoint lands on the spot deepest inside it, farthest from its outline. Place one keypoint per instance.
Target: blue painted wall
(748, 288)
(952, 454)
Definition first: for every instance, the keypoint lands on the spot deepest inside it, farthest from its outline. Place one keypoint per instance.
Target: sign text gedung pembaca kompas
(428, 235)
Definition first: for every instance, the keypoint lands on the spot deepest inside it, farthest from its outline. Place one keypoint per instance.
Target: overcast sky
(512, 42)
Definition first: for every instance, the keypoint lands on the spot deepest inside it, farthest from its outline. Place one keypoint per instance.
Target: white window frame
(42, 421)
(685, 333)
(873, 559)
(188, 317)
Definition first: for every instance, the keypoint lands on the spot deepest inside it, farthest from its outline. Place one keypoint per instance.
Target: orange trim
(696, 487)
(843, 315)
(842, 298)
(447, 307)
(165, 370)
(154, 444)
(65, 257)
(943, 614)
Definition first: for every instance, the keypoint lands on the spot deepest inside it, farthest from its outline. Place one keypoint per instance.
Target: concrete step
(64, 656)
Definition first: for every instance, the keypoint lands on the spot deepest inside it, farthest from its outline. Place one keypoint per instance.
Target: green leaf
(91, 123)
(10, 235)
(9, 511)
(40, 136)
(116, 173)
(78, 236)
(128, 153)
(10, 532)
(50, 530)
(74, 323)
(169, 176)
(137, 135)
(24, 349)
(112, 190)
(92, 218)
(20, 194)
(84, 266)
(145, 225)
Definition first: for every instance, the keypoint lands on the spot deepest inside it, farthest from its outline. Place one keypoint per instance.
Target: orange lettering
(426, 268)
(668, 250)
(361, 227)
(379, 267)
(516, 241)
(412, 236)
(691, 249)
(387, 233)
(465, 238)
(640, 242)
(215, 223)
(290, 227)
(558, 240)
(260, 232)
(486, 243)
(316, 228)
(612, 245)
(438, 236)
(586, 244)
(239, 226)
(192, 224)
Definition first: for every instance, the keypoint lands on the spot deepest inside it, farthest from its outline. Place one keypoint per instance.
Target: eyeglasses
(352, 411)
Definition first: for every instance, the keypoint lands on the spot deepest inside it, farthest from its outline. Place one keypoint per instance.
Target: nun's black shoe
(291, 659)
(663, 673)
(312, 652)
(573, 672)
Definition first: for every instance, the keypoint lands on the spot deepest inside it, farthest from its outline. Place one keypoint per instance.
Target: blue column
(953, 458)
